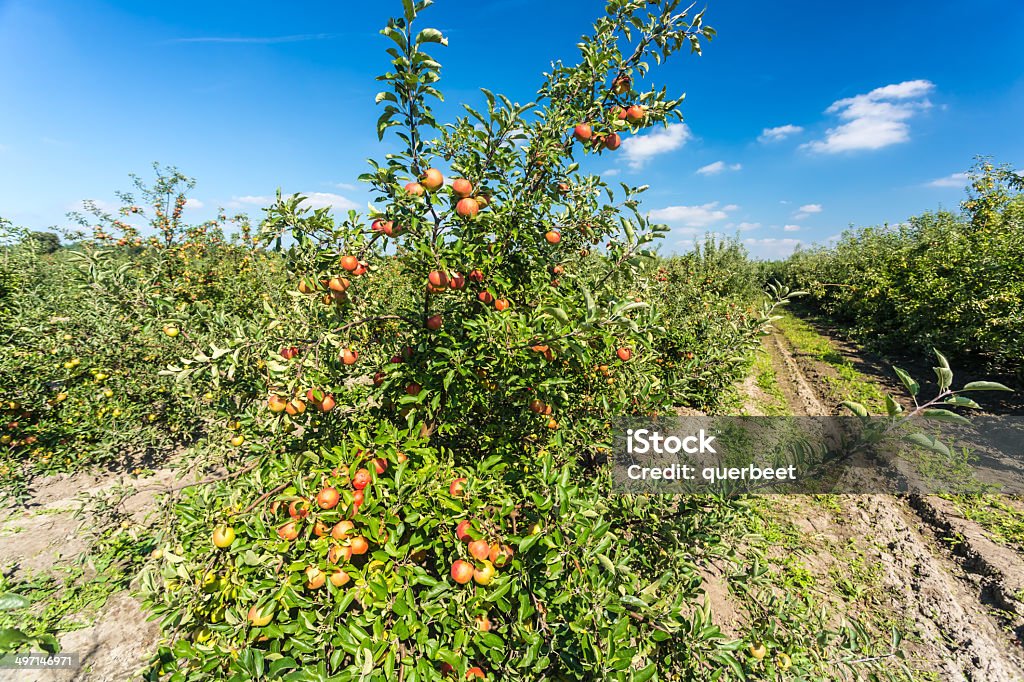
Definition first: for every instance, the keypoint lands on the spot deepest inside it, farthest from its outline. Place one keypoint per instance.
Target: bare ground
(963, 599)
(45, 536)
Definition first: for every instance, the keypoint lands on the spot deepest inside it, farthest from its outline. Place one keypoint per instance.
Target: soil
(44, 536)
(962, 597)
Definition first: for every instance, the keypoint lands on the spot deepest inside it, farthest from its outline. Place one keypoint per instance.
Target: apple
(462, 531)
(328, 497)
(483, 623)
(437, 278)
(612, 141)
(315, 578)
(289, 352)
(304, 287)
(563, 188)
(619, 113)
(237, 440)
(288, 531)
(328, 403)
(258, 618)
(624, 354)
(757, 650)
(457, 488)
(553, 236)
(552, 423)
(500, 555)
(482, 200)
(339, 554)
(485, 574)
(340, 578)
(784, 661)
(338, 283)
(479, 549)
(485, 297)
(462, 571)
(501, 305)
(413, 389)
(361, 479)
(359, 545)
(223, 536)
(476, 276)
(476, 672)
(462, 187)
(635, 113)
(348, 356)
(582, 132)
(342, 529)
(361, 269)
(380, 464)
(295, 406)
(171, 330)
(349, 262)
(357, 500)
(621, 85)
(537, 406)
(401, 457)
(415, 189)
(456, 281)
(467, 208)
(385, 226)
(432, 179)
(320, 529)
(298, 509)
(557, 270)
(434, 322)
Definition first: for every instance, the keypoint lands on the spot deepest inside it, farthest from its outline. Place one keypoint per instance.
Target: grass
(1003, 522)
(772, 402)
(848, 384)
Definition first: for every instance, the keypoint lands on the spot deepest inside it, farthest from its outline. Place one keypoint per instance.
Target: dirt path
(45, 538)
(964, 604)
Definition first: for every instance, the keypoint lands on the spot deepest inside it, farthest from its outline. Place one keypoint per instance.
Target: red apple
(328, 498)
(415, 189)
(462, 571)
(476, 276)
(553, 236)
(467, 208)
(361, 479)
(501, 305)
(624, 354)
(480, 549)
(635, 113)
(462, 531)
(582, 132)
(462, 187)
(457, 488)
(612, 141)
(434, 322)
(349, 356)
(432, 179)
(485, 297)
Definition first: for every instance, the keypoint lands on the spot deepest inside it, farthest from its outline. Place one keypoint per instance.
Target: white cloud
(791, 228)
(876, 119)
(746, 227)
(193, 203)
(250, 200)
(346, 186)
(693, 217)
(953, 180)
(611, 172)
(807, 210)
(717, 167)
(327, 199)
(771, 248)
(779, 133)
(642, 148)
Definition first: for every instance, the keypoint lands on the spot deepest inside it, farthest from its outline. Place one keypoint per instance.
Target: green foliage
(942, 278)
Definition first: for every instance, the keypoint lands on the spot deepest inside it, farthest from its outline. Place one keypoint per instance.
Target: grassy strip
(1003, 521)
(848, 384)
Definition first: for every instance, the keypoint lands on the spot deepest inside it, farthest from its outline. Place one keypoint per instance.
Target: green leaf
(10, 637)
(961, 401)
(912, 386)
(926, 442)
(9, 600)
(606, 562)
(856, 408)
(945, 377)
(943, 362)
(945, 416)
(431, 35)
(985, 386)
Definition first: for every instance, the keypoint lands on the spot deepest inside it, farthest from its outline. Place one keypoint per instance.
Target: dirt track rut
(952, 598)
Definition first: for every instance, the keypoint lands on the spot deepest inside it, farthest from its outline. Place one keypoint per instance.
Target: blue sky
(802, 117)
